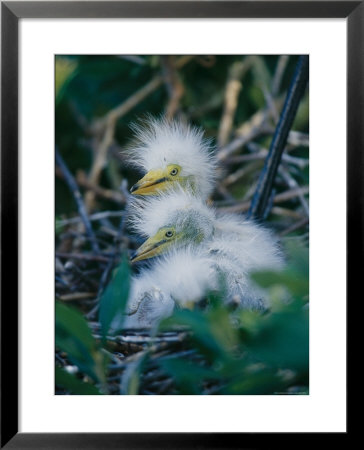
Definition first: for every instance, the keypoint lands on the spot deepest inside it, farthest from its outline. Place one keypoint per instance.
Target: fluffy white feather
(186, 274)
(180, 277)
(149, 214)
(148, 304)
(252, 245)
(234, 246)
(159, 143)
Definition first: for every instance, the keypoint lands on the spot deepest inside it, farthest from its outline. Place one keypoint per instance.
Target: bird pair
(201, 249)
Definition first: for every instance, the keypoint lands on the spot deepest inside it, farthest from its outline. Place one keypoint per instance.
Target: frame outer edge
(175, 441)
(355, 165)
(183, 9)
(355, 125)
(9, 224)
(11, 11)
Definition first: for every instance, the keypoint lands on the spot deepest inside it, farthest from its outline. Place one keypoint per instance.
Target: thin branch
(77, 296)
(278, 75)
(183, 60)
(233, 87)
(262, 153)
(99, 161)
(296, 226)
(295, 138)
(290, 194)
(247, 132)
(240, 173)
(84, 256)
(285, 212)
(108, 194)
(279, 198)
(94, 217)
(130, 103)
(79, 201)
(127, 105)
(237, 208)
(271, 104)
(292, 183)
(174, 85)
(134, 59)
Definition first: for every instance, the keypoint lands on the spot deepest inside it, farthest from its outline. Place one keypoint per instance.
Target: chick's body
(233, 246)
(178, 279)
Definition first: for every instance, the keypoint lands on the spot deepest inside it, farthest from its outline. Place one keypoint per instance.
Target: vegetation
(212, 349)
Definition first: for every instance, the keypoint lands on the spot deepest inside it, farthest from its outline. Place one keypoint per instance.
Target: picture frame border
(11, 12)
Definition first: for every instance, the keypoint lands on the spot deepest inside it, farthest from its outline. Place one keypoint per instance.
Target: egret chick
(171, 154)
(179, 279)
(171, 220)
(237, 246)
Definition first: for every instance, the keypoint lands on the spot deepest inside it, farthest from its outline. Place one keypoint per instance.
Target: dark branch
(296, 90)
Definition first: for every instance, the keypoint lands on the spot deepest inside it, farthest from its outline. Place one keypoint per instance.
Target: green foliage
(189, 377)
(73, 336)
(73, 384)
(249, 352)
(115, 296)
(65, 70)
(130, 380)
(295, 276)
(59, 227)
(281, 337)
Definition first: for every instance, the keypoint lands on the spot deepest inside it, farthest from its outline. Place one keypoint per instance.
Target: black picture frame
(11, 12)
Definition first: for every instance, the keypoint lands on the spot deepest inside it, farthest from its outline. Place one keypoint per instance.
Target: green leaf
(281, 338)
(73, 334)
(74, 337)
(130, 379)
(59, 226)
(294, 277)
(260, 383)
(298, 257)
(189, 376)
(113, 300)
(297, 285)
(221, 328)
(69, 382)
(202, 334)
(66, 69)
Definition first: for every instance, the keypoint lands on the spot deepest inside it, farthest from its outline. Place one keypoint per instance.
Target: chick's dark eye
(174, 172)
(169, 233)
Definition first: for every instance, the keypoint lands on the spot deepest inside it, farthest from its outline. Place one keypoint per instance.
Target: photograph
(181, 224)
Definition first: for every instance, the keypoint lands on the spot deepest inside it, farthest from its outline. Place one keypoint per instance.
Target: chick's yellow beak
(155, 180)
(151, 247)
